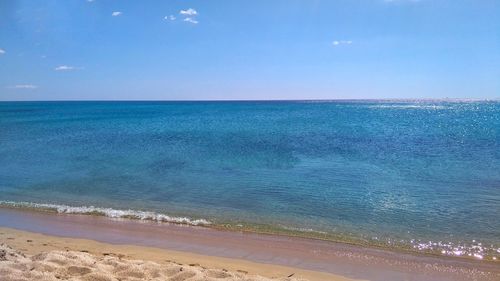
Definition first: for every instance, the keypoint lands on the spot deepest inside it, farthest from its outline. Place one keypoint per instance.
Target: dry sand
(31, 256)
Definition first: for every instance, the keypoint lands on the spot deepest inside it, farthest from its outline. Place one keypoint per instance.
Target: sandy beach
(31, 256)
(250, 140)
(104, 245)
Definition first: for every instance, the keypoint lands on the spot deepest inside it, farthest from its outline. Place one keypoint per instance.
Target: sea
(409, 175)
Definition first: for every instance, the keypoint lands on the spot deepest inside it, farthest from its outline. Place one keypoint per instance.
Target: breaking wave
(107, 212)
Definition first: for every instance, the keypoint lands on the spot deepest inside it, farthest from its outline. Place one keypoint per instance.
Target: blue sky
(290, 49)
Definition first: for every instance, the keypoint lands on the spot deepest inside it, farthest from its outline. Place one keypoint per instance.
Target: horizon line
(261, 100)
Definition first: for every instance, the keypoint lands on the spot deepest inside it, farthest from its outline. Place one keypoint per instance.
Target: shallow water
(417, 175)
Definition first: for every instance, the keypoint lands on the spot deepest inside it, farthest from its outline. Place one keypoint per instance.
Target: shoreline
(418, 248)
(324, 257)
(32, 244)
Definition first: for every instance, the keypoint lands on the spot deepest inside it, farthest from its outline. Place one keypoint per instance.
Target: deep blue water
(415, 173)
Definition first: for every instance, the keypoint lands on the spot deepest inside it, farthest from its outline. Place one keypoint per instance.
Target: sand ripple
(71, 265)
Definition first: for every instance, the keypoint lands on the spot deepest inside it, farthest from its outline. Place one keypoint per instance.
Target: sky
(256, 50)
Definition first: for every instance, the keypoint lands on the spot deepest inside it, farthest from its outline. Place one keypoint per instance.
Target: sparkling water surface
(418, 174)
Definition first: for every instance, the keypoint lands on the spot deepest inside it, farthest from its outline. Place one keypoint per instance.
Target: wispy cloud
(2, 51)
(190, 15)
(67, 68)
(171, 17)
(90, 1)
(191, 20)
(189, 12)
(23, 86)
(341, 42)
(115, 14)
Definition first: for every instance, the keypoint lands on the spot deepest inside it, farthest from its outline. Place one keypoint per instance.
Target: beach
(249, 140)
(270, 256)
(31, 256)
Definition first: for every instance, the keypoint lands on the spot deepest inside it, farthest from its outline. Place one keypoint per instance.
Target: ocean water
(415, 175)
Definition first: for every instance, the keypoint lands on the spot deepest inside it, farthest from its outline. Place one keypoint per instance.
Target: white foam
(300, 229)
(108, 212)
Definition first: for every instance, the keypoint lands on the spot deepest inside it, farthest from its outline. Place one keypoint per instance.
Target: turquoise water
(418, 175)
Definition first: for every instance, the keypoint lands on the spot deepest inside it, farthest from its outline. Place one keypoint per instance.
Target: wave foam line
(107, 212)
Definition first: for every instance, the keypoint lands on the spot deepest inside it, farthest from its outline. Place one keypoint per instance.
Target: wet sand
(266, 255)
(31, 256)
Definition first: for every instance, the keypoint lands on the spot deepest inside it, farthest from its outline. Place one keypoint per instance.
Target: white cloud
(115, 14)
(189, 12)
(2, 51)
(191, 20)
(171, 17)
(66, 68)
(23, 86)
(341, 42)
